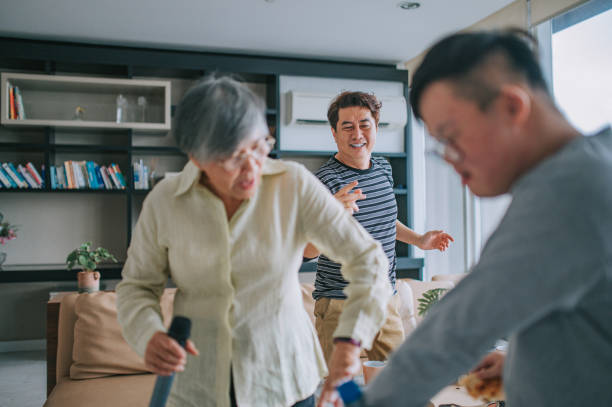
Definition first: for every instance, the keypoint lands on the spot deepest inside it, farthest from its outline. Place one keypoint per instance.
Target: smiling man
(544, 279)
(353, 117)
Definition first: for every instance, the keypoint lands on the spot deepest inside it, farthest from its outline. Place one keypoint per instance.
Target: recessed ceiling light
(408, 5)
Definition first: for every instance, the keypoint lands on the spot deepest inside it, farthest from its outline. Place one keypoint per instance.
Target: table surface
(455, 395)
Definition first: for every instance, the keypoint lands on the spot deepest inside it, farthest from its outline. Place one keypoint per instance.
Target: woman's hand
(344, 364)
(491, 366)
(165, 356)
(435, 239)
(348, 198)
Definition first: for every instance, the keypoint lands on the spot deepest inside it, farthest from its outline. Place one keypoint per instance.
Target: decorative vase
(88, 281)
(2, 258)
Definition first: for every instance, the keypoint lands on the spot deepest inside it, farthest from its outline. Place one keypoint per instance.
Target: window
(582, 65)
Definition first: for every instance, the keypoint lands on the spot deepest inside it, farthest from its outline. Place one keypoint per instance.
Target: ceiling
(347, 30)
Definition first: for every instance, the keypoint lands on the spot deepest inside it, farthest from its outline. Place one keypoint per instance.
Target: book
(79, 181)
(21, 111)
(53, 174)
(119, 175)
(11, 103)
(19, 179)
(6, 180)
(91, 174)
(32, 170)
(61, 178)
(69, 175)
(136, 175)
(83, 171)
(98, 176)
(113, 176)
(28, 178)
(106, 177)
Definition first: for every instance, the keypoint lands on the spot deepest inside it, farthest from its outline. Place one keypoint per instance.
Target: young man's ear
(516, 103)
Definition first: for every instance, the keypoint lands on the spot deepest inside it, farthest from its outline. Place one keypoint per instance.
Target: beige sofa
(89, 363)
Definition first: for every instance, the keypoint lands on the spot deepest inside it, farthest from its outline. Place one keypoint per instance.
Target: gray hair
(215, 116)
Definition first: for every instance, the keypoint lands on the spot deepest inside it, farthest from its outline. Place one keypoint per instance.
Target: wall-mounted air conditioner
(311, 109)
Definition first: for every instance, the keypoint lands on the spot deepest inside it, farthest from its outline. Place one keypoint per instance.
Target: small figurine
(79, 112)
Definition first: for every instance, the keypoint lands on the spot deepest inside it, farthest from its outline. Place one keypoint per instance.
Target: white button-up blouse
(238, 282)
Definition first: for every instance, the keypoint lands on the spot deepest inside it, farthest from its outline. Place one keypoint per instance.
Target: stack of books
(20, 176)
(16, 110)
(86, 175)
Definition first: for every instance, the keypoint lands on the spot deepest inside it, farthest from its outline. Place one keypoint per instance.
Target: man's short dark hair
(352, 99)
(458, 56)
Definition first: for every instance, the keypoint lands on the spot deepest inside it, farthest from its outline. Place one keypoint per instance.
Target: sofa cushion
(99, 348)
(116, 391)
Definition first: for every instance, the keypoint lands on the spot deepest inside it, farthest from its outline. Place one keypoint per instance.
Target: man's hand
(435, 239)
(348, 198)
(344, 364)
(491, 366)
(165, 356)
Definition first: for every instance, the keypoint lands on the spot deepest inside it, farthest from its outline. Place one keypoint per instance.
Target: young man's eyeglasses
(445, 150)
(259, 153)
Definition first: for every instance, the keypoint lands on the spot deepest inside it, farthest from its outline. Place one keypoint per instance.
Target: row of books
(16, 110)
(21, 176)
(86, 175)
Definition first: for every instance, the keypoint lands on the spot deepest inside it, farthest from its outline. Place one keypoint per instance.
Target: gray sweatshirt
(544, 280)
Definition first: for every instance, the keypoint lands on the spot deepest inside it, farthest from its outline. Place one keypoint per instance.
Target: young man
(544, 278)
(353, 117)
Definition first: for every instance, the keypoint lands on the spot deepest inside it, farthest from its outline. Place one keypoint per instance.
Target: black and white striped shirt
(377, 214)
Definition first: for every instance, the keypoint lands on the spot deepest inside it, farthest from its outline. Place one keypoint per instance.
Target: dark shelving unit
(50, 57)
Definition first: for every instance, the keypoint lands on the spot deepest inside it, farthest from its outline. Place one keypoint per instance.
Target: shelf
(271, 111)
(51, 272)
(306, 153)
(51, 101)
(157, 150)
(65, 191)
(85, 124)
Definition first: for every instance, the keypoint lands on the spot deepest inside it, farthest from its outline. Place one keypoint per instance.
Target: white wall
(319, 137)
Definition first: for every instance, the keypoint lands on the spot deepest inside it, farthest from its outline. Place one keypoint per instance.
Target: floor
(23, 379)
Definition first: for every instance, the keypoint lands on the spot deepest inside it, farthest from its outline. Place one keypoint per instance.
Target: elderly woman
(230, 231)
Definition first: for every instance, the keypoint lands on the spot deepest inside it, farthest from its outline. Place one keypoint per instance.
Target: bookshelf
(93, 76)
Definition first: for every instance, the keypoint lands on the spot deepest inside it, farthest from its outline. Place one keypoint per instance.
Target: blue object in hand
(180, 329)
(350, 393)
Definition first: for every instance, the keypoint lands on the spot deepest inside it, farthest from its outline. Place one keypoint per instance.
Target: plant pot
(88, 281)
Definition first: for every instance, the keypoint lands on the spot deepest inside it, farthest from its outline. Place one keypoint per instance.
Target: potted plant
(7, 232)
(430, 297)
(85, 258)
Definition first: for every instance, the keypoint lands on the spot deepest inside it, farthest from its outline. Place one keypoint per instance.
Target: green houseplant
(430, 297)
(7, 232)
(85, 258)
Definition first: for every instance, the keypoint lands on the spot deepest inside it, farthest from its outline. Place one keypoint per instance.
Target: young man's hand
(491, 366)
(435, 239)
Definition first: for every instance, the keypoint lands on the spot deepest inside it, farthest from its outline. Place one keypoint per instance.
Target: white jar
(122, 109)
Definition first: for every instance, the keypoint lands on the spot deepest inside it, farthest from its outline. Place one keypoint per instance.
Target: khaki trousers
(327, 312)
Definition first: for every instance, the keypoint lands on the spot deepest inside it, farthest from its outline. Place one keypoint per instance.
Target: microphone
(180, 330)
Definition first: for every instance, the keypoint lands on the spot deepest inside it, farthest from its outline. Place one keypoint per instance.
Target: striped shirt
(377, 214)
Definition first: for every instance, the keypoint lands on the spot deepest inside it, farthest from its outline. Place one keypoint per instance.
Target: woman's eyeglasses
(259, 153)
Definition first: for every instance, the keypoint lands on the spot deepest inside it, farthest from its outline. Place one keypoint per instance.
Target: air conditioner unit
(311, 109)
